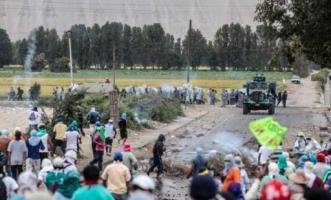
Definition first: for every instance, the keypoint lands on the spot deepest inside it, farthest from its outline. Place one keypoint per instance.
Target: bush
(321, 77)
(60, 65)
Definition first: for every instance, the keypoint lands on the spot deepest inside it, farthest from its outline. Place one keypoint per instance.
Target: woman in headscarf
(47, 166)
(34, 145)
(298, 185)
(27, 182)
(100, 145)
(43, 135)
(282, 165)
(273, 174)
(231, 172)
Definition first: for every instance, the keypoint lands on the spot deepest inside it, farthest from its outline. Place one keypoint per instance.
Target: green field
(149, 74)
(154, 78)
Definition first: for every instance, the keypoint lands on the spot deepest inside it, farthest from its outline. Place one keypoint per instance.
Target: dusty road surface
(210, 127)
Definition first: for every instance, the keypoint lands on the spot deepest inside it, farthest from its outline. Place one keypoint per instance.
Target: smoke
(31, 51)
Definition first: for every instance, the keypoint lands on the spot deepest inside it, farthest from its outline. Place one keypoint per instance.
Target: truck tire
(271, 109)
(245, 109)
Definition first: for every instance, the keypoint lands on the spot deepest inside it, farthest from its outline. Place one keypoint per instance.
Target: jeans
(16, 170)
(157, 162)
(98, 159)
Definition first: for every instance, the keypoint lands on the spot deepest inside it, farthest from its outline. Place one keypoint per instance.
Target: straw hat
(301, 134)
(299, 177)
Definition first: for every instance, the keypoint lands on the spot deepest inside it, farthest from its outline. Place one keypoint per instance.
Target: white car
(295, 79)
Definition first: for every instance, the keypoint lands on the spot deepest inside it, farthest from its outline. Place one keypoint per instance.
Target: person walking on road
(99, 147)
(123, 129)
(158, 151)
(59, 131)
(279, 98)
(34, 118)
(93, 117)
(34, 145)
(129, 159)
(110, 136)
(17, 151)
(284, 98)
(116, 177)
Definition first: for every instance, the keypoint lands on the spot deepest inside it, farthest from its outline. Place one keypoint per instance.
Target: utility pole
(189, 52)
(114, 65)
(70, 56)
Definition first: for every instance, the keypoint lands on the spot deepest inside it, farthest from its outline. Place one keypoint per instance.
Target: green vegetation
(301, 25)
(150, 74)
(321, 77)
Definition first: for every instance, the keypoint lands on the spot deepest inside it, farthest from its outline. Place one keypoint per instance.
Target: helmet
(58, 162)
(144, 182)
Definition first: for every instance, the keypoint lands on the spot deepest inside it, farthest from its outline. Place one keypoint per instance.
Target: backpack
(32, 116)
(3, 191)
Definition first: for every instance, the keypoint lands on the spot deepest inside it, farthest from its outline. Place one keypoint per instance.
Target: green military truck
(260, 95)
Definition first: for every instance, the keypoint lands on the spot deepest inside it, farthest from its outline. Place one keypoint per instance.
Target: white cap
(144, 182)
(71, 154)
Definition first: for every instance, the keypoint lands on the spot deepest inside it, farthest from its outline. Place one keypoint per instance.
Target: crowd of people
(35, 165)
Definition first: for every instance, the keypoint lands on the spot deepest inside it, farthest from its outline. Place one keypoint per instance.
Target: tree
(306, 20)
(211, 58)
(222, 41)
(60, 65)
(126, 47)
(38, 62)
(5, 49)
(198, 47)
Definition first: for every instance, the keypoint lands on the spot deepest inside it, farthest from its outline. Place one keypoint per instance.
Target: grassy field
(204, 79)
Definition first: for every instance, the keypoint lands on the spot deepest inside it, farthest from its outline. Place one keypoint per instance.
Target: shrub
(60, 65)
(321, 77)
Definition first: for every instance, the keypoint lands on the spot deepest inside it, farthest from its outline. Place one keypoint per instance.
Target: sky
(19, 17)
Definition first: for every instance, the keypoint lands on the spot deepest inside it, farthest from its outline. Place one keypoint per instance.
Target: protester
(100, 145)
(199, 163)
(67, 185)
(70, 159)
(110, 135)
(276, 190)
(27, 182)
(4, 141)
(93, 117)
(284, 98)
(300, 144)
(158, 151)
(273, 174)
(17, 152)
(231, 172)
(312, 145)
(291, 166)
(9, 182)
(92, 189)
(123, 128)
(116, 177)
(142, 188)
(59, 131)
(263, 155)
(298, 185)
(321, 165)
(71, 137)
(203, 188)
(34, 118)
(43, 135)
(34, 145)
(129, 159)
(46, 167)
(52, 177)
(244, 180)
(282, 165)
(314, 181)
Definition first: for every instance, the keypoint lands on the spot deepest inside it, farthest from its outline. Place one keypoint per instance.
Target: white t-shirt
(72, 140)
(11, 185)
(109, 130)
(264, 153)
(44, 139)
(35, 119)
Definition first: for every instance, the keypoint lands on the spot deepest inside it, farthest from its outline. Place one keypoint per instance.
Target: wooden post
(114, 65)
(114, 107)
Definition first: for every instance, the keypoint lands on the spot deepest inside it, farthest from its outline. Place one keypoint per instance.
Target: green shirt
(95, 192)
